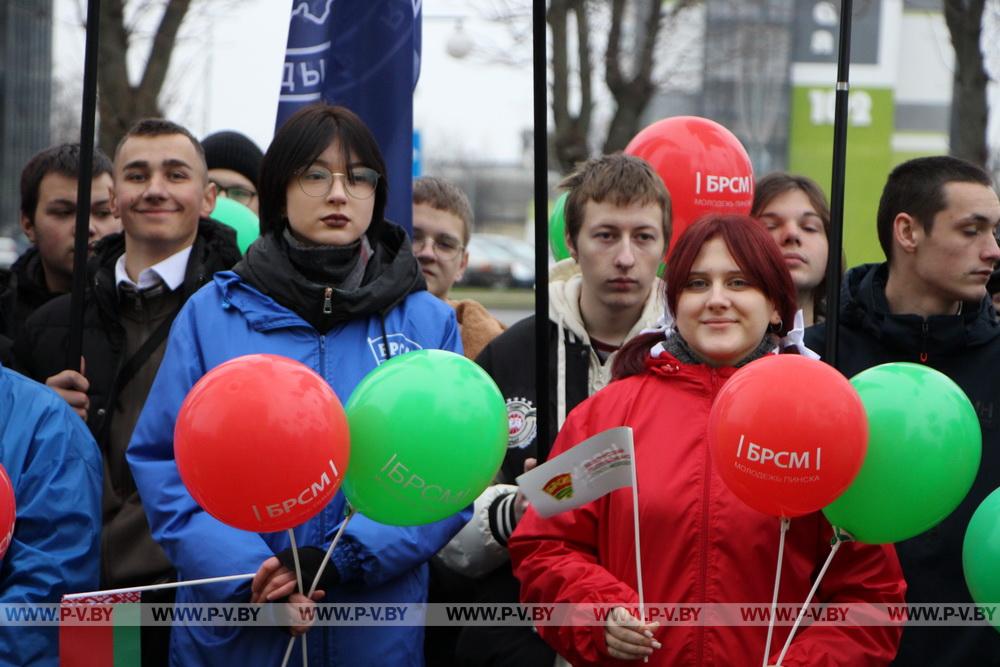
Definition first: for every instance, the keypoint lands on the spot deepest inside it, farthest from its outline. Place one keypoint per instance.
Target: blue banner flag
(364, 55)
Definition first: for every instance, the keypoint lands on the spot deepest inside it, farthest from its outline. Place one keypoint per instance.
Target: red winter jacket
(700, 543)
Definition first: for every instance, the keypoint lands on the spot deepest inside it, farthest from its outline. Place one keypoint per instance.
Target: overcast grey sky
(226, 74)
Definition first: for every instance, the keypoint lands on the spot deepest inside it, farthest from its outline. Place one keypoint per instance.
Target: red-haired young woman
(732, 297)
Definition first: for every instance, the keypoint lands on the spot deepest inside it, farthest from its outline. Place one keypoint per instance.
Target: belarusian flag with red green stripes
(109, 638)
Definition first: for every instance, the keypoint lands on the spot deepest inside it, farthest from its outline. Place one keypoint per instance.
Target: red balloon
(8, 510)
(704, 166)
(262, 443)
(788, 434)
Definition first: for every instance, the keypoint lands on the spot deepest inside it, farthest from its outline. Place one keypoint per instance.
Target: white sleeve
(481, 545)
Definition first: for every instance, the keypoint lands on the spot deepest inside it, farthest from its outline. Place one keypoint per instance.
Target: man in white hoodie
(618, 223)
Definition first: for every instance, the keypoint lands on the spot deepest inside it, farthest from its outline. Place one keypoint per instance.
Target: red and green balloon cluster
(885, 457)
(263, 444)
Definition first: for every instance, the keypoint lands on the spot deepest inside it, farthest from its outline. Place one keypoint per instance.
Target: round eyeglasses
(317, 181)
(444, 246)
(236, 193)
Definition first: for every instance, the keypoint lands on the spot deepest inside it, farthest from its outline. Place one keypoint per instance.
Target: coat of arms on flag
(584, 473)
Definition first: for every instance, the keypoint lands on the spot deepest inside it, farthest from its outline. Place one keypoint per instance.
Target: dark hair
(619, 179)
(916, 188)
(753, 250)
(296, 145)
(62, 159)
(159, 127)
(444, 196)
(775, 184)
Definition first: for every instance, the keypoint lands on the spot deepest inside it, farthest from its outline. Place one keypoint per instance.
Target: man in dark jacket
(138, 281)
(48, 220)
(618, 222)
(937, 223)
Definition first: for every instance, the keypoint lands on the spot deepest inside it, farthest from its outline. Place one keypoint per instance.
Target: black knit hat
(232, 150)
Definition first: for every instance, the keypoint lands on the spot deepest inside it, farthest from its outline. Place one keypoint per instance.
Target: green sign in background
(869, 159)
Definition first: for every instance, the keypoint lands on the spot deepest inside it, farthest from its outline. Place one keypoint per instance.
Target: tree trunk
(571, 131)
(631, 95)
(969, 111)
(119, 102)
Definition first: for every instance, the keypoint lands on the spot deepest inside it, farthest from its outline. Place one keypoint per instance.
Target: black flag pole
(75, 347)
(837, 186)
(540, 103)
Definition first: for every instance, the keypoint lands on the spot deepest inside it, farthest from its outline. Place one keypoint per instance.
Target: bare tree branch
(163, 44)
(632, 96)
(571, 131)
(120, 103)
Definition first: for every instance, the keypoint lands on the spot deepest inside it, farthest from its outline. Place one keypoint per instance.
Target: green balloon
(240, 218)
(924, 447)
(981, 554)
(557, 229)
(428, 434)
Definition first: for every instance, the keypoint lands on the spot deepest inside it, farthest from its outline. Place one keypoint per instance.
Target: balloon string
(298, 580)
(315, 582)
(295, 558)
(802, 612)
(777, 582)
(329, 551)
(288, 652)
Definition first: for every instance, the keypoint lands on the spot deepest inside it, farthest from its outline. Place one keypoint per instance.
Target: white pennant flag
(581, 474)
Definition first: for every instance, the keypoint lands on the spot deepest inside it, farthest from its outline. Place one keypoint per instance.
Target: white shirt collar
(170, 271)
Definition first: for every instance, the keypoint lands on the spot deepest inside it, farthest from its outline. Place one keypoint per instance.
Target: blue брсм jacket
(377, 563)
(55, 469)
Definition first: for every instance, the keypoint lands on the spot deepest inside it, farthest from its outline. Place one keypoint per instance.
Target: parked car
(489, 265)
(522, 258)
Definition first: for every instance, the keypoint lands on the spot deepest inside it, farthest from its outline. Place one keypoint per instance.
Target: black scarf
(392, 273)
(681, 351)
(335, 266)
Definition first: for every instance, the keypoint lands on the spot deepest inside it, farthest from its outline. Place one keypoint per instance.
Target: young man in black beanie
(233, 164)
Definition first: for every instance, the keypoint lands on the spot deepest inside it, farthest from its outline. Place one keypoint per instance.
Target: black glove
(309, 560)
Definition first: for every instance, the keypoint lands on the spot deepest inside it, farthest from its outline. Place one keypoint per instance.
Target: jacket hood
(865, 307)
(564, 312)
(565, 283)
(214, 250)
(564, 269)
(391, 275)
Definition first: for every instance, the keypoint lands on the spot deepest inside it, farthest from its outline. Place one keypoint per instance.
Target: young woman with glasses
(334, 285)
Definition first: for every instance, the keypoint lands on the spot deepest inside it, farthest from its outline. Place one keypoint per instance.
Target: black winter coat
(129, 556)
(510, 360)
(966, 348)
(40, 351)
(22, 292)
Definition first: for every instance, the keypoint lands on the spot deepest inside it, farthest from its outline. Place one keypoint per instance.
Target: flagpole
(159, 587)
(635, 520)
(74, 347)
(837, 186)
(540, 101)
